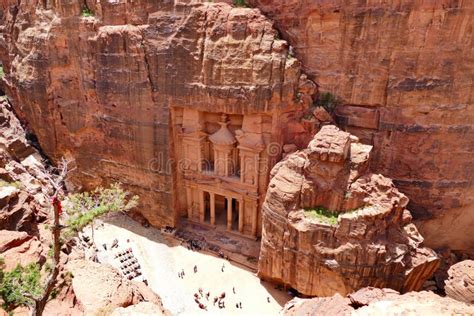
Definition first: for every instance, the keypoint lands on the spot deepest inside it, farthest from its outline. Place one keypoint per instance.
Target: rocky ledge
(372, 301)
(330, 226)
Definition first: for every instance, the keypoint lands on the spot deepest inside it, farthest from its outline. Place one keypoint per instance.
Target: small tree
(328, 101)
(84, 208)
(23, 285)
(240, 3)
(15, 283)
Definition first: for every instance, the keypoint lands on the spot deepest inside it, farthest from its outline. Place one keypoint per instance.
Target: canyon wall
(403, 71)
(99, 85)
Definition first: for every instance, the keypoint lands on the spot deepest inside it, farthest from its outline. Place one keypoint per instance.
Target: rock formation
(372, 242)
(20, 248)
(108, 88)
(100, 287)
(24, 213)
(23, 185)
(460, 282)
(374, 302)
(403, 71)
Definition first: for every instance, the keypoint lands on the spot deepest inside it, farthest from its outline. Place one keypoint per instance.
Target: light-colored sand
(163, 258)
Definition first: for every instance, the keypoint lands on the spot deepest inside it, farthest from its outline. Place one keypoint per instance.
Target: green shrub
(21, 280)
(86, 12)
(15, 184)
(328, 101)
(2, 73)
(84, 208)
(240, 3)
(321, 215)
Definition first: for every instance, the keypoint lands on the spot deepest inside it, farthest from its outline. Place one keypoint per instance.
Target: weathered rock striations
(373, 242)
(460, 283)
(102, 88)
(404, 72)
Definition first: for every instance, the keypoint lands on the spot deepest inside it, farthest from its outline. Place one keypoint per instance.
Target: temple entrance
(207, 207)
(221, 210)
(235, 215)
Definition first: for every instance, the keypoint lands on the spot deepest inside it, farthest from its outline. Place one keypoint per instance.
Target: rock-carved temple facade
(223, 168)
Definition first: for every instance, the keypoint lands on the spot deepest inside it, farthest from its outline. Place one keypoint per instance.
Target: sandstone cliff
(330, 226)
(404, 71)
(99, 86)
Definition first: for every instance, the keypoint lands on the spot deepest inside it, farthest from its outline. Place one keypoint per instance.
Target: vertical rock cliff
(404, 72)
(98, 85)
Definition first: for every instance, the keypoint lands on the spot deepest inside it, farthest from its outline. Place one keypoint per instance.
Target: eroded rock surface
(23, 182)
(20, 248)
(100, 287)
(382, 302)
(373, 242)
(460, 282)
(403, 70)
(140, 309)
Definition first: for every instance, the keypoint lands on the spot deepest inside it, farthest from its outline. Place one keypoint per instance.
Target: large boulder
(330, 226)
(100, 287)
(460, 282)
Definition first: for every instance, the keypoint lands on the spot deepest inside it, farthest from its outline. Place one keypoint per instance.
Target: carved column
(194, 151)
(202, 206)
(229, 213)
(254, 218)
(189, 202)
(241, 216)
(213, 208)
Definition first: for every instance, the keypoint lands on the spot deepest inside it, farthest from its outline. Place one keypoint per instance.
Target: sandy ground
(162, 258)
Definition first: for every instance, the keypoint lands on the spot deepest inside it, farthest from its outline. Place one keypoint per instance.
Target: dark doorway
(235, 214)
(207, 207)
(221, 210)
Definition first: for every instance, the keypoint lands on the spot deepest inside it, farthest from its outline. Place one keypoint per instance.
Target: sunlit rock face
(371, 243)
(100, 86)
(403, 70)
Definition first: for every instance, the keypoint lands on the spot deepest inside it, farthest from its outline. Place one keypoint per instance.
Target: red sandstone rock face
(373, 242)
(100, 88)
(404, 72)
(20, 248)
